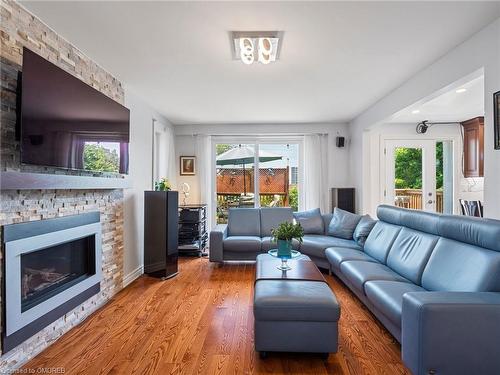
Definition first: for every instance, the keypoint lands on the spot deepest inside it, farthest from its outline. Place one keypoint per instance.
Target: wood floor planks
(201, 322)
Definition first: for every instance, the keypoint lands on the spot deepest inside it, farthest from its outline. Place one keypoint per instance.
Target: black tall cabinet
(161, 221)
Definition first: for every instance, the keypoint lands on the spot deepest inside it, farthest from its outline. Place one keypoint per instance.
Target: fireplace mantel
(14, 180)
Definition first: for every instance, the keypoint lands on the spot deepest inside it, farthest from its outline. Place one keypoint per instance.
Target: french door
(410, 181)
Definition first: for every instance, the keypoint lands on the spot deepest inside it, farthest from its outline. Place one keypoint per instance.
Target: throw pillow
(363, 229)
(343, 224)
(311, 221)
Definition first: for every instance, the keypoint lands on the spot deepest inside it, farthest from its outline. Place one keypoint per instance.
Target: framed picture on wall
(496, 118)
(188, 165)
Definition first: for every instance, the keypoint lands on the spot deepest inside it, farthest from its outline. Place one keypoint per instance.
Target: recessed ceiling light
(415, 111)
(459, 91)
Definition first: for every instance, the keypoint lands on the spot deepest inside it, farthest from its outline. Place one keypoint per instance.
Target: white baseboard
(133, 275)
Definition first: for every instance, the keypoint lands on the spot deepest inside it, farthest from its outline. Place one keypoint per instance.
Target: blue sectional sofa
(434, 282)
(248, 234)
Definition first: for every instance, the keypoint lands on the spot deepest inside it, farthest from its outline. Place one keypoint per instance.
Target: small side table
(284, 260)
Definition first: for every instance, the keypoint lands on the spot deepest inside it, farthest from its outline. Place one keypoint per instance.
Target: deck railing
(412, 198)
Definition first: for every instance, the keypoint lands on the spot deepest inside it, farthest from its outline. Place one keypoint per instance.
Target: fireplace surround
(51, 266)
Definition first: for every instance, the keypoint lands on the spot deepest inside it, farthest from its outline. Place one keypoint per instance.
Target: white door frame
(428, 170)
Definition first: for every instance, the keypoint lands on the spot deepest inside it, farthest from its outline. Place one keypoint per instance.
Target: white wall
(479, 53)
(140, 174)
(185, 146)
(338, 166)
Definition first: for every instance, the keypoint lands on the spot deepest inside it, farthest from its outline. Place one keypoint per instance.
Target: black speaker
(161, 233)
(344, 198)
(340, 141)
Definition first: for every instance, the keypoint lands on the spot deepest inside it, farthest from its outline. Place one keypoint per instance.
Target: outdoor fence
(235, 188)
(412, 198)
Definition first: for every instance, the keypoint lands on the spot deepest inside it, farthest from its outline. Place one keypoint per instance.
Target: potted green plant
(284, 234)
(163, 184)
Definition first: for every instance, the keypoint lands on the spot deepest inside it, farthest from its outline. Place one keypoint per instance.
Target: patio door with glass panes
(256, 174)
(419, 174)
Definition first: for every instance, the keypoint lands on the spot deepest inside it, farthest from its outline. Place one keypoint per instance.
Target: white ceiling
(337, 58)
(449, 106)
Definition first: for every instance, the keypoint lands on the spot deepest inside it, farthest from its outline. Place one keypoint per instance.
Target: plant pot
(284, 248)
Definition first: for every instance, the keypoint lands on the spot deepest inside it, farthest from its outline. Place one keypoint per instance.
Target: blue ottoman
(294, 315)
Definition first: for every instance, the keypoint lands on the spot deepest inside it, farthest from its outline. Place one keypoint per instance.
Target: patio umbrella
(244, 155)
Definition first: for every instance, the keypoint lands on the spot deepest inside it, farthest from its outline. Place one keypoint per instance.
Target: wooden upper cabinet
(473, 163)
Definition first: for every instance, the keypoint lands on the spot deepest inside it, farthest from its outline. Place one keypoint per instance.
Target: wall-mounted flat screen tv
(66, 123)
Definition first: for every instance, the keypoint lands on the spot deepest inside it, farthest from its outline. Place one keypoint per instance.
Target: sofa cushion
(363, 229)
(380, 240)
(242, 244)
(337, 255)
(472, 230)
(419, 220)
(244, 222)
(410, 252)
(327, 218)
(311, 221)
(315, 244)
(343, 224)
(271, 217)
(387, 297)
(459, 267)
(295, 300)
(359, 272)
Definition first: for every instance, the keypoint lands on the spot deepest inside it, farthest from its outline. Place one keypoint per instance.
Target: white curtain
(316, 172)
(164, 153)
(203, 145)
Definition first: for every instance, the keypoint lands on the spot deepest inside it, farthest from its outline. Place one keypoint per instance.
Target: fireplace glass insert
(47, 272)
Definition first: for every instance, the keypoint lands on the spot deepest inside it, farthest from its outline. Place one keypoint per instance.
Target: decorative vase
(284, 248)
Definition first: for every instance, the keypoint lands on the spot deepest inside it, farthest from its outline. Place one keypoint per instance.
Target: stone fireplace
(51, 266)
(43, 281)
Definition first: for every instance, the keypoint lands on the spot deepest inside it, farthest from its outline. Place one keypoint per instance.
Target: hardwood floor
(201, 322)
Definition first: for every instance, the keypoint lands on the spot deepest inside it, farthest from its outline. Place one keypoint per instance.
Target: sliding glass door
(256, 174)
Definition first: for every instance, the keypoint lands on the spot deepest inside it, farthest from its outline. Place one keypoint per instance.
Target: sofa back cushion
(475, 231)
(243, 222)
(422, 221)
(311, 221)
(410, 252)
(472, 230)
(343, 224)
(271, 217)
(380, 240)
(461, 267)
(326, 222)
(363, 230)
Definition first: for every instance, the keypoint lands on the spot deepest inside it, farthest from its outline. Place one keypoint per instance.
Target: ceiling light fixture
(415, 111)
(460, 91)
(255, 46)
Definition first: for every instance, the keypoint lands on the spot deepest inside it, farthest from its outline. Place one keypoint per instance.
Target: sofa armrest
(451, 332)
(217, 237)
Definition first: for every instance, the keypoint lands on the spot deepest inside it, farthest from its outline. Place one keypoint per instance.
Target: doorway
(419, 174)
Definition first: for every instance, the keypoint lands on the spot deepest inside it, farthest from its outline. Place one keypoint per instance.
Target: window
(256, 174)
